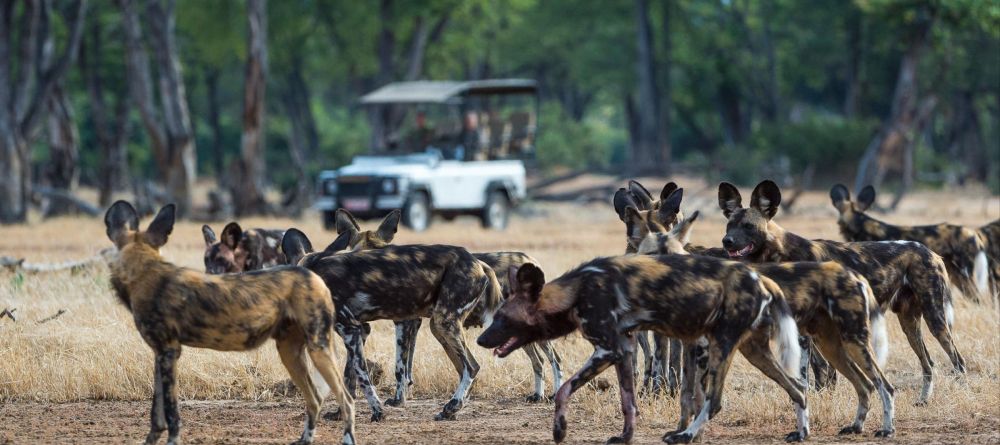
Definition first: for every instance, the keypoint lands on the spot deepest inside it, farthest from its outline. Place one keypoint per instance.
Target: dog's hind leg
(350, 330)
(602, 357)
(674, 367)
(412, 329)
(830, 344)
(322, 357)
(448, 332)
(757, 351)
(291, 349)
(863, 356)
(642, 337)
(626, 388)
(535, 357)
(720, 356)
(909, 321)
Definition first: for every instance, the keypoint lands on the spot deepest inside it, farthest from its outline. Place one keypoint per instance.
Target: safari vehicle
(447, 148)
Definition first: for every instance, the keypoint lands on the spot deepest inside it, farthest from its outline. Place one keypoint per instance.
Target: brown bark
(111, 130)
(22, 98)
(648, 145)
(380, 115)
(64, 141)
(248, 194)
(169, 129)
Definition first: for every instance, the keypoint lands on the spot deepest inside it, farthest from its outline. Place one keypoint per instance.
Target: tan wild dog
(905, 276)
(173, 307)
(607, 299)
(832, 304)
(406, 330)
(962, 249)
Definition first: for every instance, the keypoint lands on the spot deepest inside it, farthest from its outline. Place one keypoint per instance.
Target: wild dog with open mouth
(443, 283)
(681, 297)
(832, 304)
(174, 307)
(663, 360)
(963, 249)
(904, 275)
(406, 331)
(240, 251)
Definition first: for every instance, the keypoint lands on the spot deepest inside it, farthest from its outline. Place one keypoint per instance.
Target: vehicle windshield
(480, 127)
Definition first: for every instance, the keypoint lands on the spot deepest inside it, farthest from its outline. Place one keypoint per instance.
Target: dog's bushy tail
(492, 297)
(879, 332)
(786, 330)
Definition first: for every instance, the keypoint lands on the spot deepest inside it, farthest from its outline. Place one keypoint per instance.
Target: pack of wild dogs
(820, 301)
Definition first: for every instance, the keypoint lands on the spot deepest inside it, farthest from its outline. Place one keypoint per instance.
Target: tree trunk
(771, 97)
(248, 196)
(667, 101)
(648, 144)
(380, 115)
(855, 58)
(889, 149)
(111, 133)
(61, 172)
(215, 125)
(170, 134)
(22, 99)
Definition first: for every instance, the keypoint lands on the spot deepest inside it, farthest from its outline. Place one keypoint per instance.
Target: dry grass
(94, 352)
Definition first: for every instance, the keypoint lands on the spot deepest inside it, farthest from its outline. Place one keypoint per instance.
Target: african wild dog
(406, 330)
(608, 299)
(663, 360)
(904, 275)
(174, 307)
(240, 251)
(963, 249)
(830, 303)
(443, 283)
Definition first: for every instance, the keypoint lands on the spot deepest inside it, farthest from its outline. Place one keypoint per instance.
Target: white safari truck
(446, 148)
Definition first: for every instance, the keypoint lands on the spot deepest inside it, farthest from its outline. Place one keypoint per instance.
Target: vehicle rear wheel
(417, 212)
(329, 219)
(496, 212)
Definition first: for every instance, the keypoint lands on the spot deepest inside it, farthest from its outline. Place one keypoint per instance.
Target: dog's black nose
(727, 242)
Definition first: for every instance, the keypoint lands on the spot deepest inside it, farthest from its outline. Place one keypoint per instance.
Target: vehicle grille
(348, 188)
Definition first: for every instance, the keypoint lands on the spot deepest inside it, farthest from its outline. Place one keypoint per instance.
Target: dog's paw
(678, 438)
(333, 415)
(378, 416)
(618, 439)
(885, 433)
(559, 429)
(395, 402)
(850, 429)
(534, 398)
(795, 436)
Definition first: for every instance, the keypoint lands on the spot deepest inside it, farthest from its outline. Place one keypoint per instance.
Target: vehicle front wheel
(496, 212)
(417, 212)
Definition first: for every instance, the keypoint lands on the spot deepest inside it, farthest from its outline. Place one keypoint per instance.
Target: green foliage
(568, 143)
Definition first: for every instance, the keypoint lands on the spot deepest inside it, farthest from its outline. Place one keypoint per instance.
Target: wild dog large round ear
(766, 198)
(667, 190)
(643, 198)
(623, 198)
(209, 235)
(512, 279)
(162, 226)
(345, 221)
(295, 245)
(729, 198)
(531, 279)
(342, 243)
(866, 198)
(232, 234)
(120, 218)
(840, 197)
(682, 231)
(671, 205)
(390, 224)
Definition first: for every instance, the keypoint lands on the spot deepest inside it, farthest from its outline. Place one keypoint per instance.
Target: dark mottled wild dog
(240, 251)
(406, 331)
(443, 283)
(663, 359)
(174, 307)
(963, 249)
(904, 275)
(680, 297)
(991, 235)
(832, 304)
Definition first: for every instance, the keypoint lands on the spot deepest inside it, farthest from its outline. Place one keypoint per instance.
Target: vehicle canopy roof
(446, 91)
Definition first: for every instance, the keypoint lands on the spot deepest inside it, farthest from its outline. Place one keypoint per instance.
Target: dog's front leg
(157, 421)
(168, 376)
(597, 363)
(406, 333)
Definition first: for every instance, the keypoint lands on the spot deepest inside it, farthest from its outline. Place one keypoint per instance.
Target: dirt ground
(507, 421)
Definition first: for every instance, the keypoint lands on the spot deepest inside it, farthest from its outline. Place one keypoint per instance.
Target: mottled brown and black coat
(607, 299)
(962, 249)
(173, 307)
(832, 304)
(440, 282)
(905, 276)
(991, 235)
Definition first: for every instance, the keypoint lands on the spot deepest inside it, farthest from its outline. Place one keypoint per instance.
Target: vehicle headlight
(389, 186)
(331, 187)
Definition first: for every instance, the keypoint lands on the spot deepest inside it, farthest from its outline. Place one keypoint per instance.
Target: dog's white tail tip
(981, 273)
(880, 338)
(788, 345)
